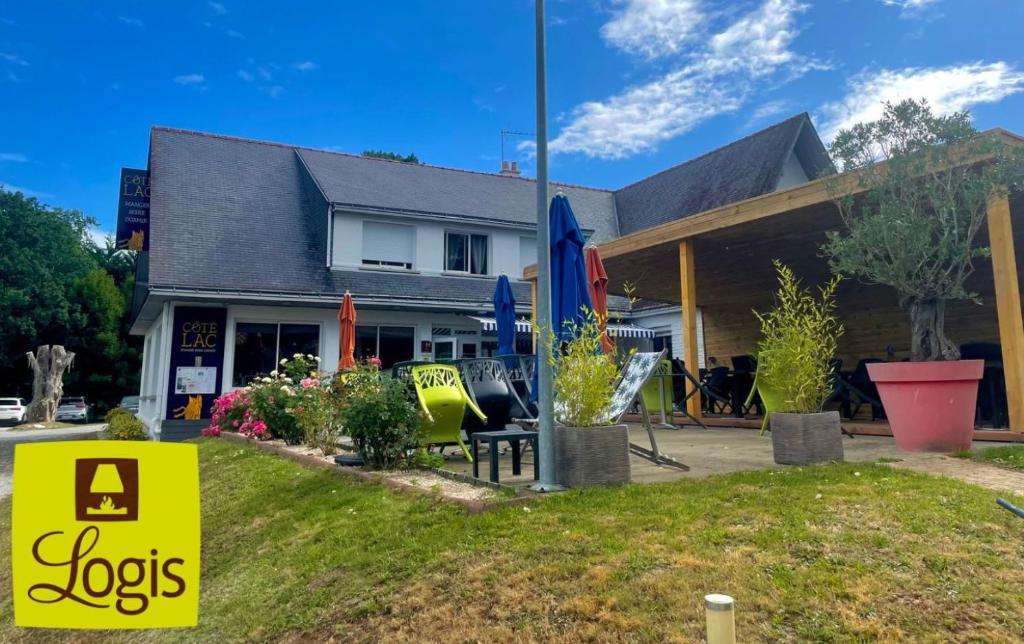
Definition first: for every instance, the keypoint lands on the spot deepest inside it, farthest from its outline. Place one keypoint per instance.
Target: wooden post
(1011, 325)
(688, 306)
(533, 313)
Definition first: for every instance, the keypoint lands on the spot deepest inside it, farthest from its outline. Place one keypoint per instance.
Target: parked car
(74, 409)
(131, 403)
(13, 410)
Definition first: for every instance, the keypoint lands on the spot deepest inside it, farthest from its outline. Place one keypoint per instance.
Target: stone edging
(472, 505)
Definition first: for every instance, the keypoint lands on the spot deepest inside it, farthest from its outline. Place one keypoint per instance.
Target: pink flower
(306, 383)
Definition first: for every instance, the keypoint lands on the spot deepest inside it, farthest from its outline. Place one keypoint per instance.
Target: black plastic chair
(992, 405)
(717, 391)
(861, 391)
(403, 370)
(520, 370)
(489, 386)
(744, 368)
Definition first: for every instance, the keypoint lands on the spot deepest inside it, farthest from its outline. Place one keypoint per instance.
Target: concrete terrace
(724, 450)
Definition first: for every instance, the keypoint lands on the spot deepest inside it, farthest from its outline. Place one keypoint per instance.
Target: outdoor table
(513, 436)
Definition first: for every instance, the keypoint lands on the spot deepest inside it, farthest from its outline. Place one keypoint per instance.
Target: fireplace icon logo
(107, 489)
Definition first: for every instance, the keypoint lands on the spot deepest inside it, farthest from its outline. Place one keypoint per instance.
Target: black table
(493, 439)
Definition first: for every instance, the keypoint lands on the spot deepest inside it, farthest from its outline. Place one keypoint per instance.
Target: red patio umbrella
(597, 281)
(347, 325)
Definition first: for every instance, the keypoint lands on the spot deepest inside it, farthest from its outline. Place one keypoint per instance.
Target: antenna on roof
(507, 133)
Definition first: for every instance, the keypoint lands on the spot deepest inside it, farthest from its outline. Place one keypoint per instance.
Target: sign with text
(133, 210)
(105, 534)
(197, 361)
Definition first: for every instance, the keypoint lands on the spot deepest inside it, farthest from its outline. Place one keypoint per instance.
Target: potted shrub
(795, 359)
(914, 229)
(382, 420)
(588, 449)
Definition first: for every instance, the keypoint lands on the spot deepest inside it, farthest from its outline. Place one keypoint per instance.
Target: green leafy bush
(798, 343)
(114, 413)
(381, 418)
(583, 377)
(126, 427)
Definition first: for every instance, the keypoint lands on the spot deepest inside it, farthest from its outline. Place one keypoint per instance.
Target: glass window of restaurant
(260, 346)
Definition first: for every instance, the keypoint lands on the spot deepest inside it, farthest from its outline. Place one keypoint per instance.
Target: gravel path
(9, 438)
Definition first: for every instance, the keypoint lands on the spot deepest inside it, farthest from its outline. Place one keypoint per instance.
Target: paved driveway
(9, 438)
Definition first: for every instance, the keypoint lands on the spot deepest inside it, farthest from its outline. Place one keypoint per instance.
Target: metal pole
(545, 426)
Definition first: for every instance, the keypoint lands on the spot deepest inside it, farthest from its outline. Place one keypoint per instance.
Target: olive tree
(922, 185)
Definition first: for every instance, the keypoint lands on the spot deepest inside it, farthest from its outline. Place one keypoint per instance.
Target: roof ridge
(716, 150)
(242, 139)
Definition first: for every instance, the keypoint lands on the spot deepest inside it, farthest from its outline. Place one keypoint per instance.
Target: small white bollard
(721, 619)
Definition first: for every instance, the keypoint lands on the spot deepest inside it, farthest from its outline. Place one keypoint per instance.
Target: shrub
(798, 343)
(584, 377)
(126, 427)
(270, 401)
(114, 413)
(315, 414)
(381, 418)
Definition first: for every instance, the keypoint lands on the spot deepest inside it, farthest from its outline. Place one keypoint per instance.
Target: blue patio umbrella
(505, 316)
(569, 285)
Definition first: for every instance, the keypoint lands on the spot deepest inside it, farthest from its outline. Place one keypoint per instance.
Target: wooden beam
(688, 292)
(1011, 325)
(533, 313)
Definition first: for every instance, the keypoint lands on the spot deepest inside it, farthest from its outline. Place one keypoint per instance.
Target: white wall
(793, 173)
(503, 252)
(668, 321)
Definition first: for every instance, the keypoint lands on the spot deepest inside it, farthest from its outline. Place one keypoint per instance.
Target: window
(389, 343)
(527, 252)
(662, 342)
(259, 347)
(388, 245)
(465, 253)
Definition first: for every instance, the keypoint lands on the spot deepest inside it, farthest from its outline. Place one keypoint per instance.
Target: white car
(74, 409)
(13, 409)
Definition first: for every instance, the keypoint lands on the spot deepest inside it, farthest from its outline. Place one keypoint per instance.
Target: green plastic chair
(443, 400)
(771, 399)
(658, 391)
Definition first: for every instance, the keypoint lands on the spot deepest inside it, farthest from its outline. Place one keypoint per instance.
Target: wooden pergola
(721, 261)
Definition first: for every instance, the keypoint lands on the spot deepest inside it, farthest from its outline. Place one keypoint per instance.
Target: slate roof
(234, 214)
(409, 188)
(740, 170)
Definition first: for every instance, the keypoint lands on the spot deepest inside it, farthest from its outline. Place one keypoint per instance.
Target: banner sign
(133, 210)
(197, 361)
(105, 534)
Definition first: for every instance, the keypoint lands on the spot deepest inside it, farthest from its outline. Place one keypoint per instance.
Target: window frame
(277, 340)
(378, 327)
(384, 264)
(468, 235)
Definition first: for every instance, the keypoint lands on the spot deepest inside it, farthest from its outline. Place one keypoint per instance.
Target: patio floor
(715, 451)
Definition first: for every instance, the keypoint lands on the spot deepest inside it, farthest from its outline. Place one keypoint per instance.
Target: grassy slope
(290, 552)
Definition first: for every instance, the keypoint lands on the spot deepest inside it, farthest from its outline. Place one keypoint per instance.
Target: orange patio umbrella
(347, 325)
(597, 281)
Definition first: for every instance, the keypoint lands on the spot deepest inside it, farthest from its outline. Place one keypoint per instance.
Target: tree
(391, 156)
(915, 227)
(58, 288)
(48, 366)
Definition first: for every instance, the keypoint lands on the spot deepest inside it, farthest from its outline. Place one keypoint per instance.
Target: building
(252, 244)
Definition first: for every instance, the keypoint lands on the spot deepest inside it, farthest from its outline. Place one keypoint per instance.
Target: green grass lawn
(1007, 456)
(831, 553)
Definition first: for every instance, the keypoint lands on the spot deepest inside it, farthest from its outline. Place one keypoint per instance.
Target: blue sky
(635, 86)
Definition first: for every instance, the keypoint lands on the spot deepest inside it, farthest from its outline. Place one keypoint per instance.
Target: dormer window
(388, 245)
(465, 253)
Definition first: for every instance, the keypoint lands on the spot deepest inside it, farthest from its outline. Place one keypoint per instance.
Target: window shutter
(388, 242)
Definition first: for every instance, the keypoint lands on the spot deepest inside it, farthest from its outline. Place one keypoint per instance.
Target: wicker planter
(592, 455)
(800, 439)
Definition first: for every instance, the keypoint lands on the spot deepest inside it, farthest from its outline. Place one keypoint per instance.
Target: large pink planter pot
(930, 405)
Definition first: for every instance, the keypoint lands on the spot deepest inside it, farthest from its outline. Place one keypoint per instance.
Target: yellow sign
(105, 534)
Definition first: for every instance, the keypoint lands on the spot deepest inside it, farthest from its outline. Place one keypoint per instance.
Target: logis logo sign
(105, 535)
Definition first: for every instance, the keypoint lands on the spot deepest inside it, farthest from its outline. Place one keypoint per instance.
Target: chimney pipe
(504, 167)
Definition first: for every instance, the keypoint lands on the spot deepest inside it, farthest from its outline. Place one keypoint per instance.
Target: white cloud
(16, 157)
(264, 74)
(28, 192)
(234, 34)
(190, 79)
(13, 59)
(716, 79)
(947, 89)
(218, 8)
(770, 109)
(98, 237)
(133, 22)
(246, 76)
(273, 91)
(653, 28)
(305, 66)
(912, 8)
